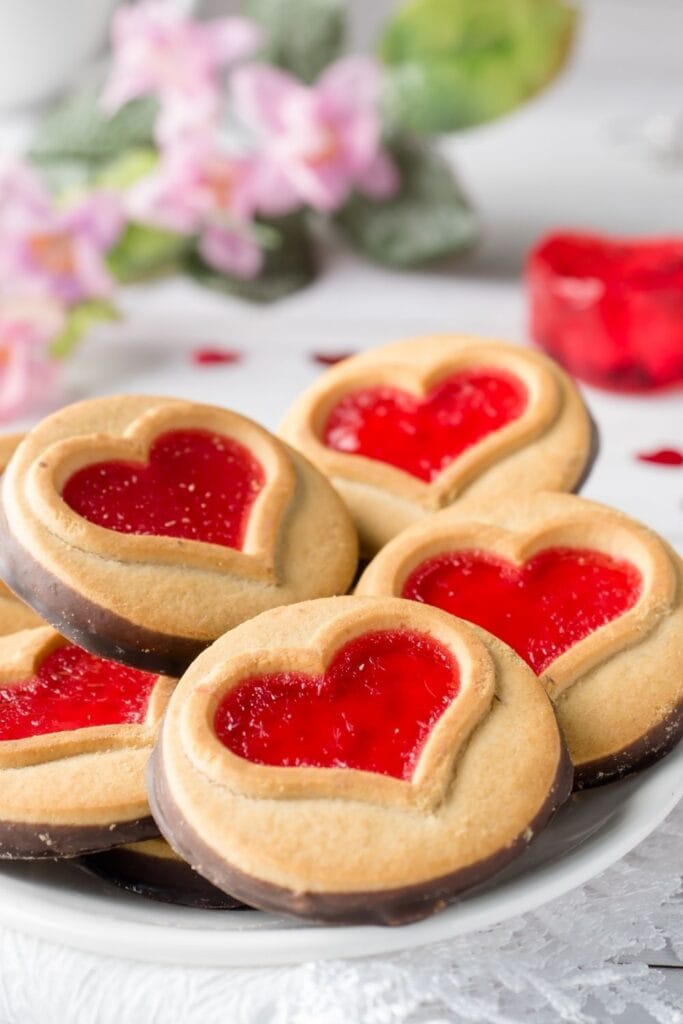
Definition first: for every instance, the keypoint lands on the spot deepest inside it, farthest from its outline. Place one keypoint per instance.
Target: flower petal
(232, 38)
(356, 80)
(233, 251)
(261, 94)
(380, 179)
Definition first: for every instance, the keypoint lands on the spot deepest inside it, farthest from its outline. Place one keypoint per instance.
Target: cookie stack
(338, 756)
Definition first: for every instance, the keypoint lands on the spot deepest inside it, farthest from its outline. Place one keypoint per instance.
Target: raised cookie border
(436, 763)
(304, 423)
(614, 534)
(20, 655)
(48, 474)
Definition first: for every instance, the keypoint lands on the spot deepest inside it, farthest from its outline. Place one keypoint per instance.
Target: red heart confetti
(330, 358)
(662, 457)
(208, 356)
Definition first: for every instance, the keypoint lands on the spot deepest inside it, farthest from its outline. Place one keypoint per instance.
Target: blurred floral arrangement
(217, 147)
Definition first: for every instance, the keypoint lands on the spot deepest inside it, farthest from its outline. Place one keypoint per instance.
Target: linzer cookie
(589, 598)
(356, 760)
(151, 868)
(143, 528)
(412, 427)
(75, 735)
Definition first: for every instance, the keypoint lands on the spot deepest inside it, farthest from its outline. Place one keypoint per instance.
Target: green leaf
(452, 64)
(302, 36)
(127, 168)
(80, 319)
(429, 219)
(78, 131)
(290, 264)
(142, 251)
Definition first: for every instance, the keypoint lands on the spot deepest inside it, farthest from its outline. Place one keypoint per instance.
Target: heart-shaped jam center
(373, 709)
(541, 608)
(73, 689)
(424, 435)
(196, 485)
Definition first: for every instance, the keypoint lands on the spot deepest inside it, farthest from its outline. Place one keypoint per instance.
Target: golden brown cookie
(151, 868)
(352, 759)
(412, 427)
(14, 614)
(592, 600)
(75, 735)
(143, 528)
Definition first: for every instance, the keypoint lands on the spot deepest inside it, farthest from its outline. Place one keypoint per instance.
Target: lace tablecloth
(581, 959)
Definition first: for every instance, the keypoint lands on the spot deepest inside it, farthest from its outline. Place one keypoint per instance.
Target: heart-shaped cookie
(590, 599)
(14, 614)
(143, 528)
(422, 755)
(412, 427)
(75, 735)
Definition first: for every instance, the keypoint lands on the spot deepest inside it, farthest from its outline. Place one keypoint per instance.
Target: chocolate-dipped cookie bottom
(29, 841)
(163, 879)
(403, 905)
(87, 624)
(639, 755)
(591, 458)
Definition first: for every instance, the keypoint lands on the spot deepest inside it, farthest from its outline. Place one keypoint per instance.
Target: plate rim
(163, 943)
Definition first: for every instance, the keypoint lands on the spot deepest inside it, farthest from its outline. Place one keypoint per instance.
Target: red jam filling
(196, 485)
(373, 709)
(540, 609)
(423, 435)
(610, 309)
(73, 689)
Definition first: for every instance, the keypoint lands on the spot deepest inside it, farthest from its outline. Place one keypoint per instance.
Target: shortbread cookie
(14, 614)
(143, 528)
(592, 600)
(412, 427)
(153, 869)
(75, 735)
(354, 759)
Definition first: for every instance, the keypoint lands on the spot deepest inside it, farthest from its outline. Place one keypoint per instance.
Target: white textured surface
(575, 960)
(591, 832)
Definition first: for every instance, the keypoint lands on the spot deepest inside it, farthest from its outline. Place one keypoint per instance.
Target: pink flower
(159, 51)
(199, 189)
(22, 193)
(28, 375)
(321, 141)
(232, 249)
(55, 251)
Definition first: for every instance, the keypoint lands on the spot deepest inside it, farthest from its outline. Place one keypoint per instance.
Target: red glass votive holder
(610, 310)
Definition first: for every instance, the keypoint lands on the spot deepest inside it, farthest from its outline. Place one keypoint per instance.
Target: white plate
(58, 902)
(149, 353)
